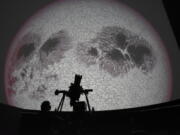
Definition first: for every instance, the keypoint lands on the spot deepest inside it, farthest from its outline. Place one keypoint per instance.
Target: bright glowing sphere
(118, 53)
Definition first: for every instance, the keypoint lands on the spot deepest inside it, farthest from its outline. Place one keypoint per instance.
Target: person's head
(45, 106)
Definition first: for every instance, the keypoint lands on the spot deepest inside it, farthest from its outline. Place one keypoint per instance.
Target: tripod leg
(61, 103)
(88, 102)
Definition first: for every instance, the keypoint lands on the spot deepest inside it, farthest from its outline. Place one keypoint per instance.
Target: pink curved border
(9, 52)
(162, 45)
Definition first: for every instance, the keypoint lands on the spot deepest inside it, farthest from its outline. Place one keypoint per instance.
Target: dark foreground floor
(162, 119)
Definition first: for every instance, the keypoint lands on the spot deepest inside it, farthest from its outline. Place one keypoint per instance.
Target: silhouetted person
(45, 106)
(50, 124)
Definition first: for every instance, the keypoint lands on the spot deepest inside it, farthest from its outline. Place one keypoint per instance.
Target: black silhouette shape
(74, 93)
(45, 106)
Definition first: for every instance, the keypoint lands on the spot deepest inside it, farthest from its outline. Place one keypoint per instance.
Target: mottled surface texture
(26, 50)
(54, 47)
(27, 45)
(117, 53)
(120, 50)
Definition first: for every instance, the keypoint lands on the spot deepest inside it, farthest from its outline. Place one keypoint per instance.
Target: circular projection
(116, 51)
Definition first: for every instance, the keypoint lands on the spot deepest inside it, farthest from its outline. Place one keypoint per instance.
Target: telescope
(57, 92)
(74, 93)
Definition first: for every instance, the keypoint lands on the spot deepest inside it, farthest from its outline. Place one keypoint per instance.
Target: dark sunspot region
(121, 40)
(115, 55)
(28, 44)
(113, 36)
(54, 48)
(26, 50)
(93, 51)
(118, 54)
(119, 51)
(141, 55)
(87, 53)
(50, 45)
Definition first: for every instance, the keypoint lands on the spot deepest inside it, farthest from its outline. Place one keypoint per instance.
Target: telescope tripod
(65, 93)
(60, 106)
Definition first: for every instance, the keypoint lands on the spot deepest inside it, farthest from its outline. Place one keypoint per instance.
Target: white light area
(132, 90)
(86, 17)
(83, 19)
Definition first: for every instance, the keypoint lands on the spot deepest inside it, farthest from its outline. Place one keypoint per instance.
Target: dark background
(14, 13)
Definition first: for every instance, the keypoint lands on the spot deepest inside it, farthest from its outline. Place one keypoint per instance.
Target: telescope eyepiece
(60, 91)
(86, 91)
(56, 92)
